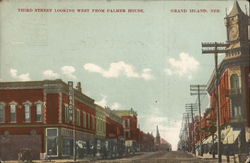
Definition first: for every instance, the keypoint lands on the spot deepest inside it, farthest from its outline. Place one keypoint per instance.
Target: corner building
(36, 115)
(234, 88)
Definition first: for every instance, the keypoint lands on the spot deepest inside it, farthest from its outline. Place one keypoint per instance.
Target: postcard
(139, 79)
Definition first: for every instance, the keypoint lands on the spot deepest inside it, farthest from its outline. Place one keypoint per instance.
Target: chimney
(78, 87)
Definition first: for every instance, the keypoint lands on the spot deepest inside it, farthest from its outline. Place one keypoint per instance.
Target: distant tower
(157, 138)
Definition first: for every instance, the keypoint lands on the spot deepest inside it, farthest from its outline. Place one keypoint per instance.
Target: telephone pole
(191, 108)
(199, 90)
(216, 48)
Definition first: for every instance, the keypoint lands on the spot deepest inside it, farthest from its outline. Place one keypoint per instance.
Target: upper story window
(234, 81)
(2, 113)
(27, 112)
(84, 120)
(93, 122)
(66, 114)
(39, 116)
(78, 122)
(12, 112)
(88, 120)
(248, 32)
(128, 123)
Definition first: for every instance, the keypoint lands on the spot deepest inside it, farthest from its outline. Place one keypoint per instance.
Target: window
(236, 111)
(234, 81)
(124, 123)
(66, 114)
(39, 112)
(12, 113)
(93, 122)
(88, 120)
(128, 123)
(2, 113)
(248, 32)
(84, 120)
(52, 136)
(78, 122)
(27, 112)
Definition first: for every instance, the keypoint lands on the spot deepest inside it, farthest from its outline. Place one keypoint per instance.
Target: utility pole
(191, 108)
(215, 48)
(199, 90)
(187, 132)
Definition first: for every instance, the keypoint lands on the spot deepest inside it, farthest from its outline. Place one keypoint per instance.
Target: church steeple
(157, 132)
(157, 138)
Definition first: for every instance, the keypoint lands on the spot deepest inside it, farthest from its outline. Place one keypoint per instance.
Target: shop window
(39, 112)
(67, 146)
(12, 113)
(52, 136)
(27, 112)
(2, 113)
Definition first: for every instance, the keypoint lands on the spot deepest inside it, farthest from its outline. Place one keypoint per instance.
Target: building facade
(131, 133)
(233, 85)
(39, 110)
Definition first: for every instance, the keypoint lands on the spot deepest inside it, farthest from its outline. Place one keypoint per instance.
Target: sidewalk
(224, 158)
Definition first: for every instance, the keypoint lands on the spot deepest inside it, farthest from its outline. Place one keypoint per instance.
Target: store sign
(71, 100)
(128, 143)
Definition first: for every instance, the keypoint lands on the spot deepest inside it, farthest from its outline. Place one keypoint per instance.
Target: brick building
(130, 123)
(114, 134)
(36, 115)
(234, 88)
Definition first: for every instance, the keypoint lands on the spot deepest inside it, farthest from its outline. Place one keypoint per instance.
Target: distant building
(157, 139)
(130, 123)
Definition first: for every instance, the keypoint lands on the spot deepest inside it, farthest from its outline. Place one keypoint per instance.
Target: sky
(143, 60)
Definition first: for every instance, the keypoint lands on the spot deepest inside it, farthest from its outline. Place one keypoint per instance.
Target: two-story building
(37, 115)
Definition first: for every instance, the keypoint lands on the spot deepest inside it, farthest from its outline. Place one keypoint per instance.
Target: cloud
(103, 102)
(68, 71)
(116, 106)
(146, 74)
(184, 66)
(21, 77)
(50, 74)
(118, 69)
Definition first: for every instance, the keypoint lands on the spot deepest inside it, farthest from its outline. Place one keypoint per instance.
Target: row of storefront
(42, 110)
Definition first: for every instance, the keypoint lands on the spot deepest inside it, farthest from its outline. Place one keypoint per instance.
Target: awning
(231, 136)
(209, 140)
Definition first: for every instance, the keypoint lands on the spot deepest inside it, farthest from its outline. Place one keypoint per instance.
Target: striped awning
(231, 136)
